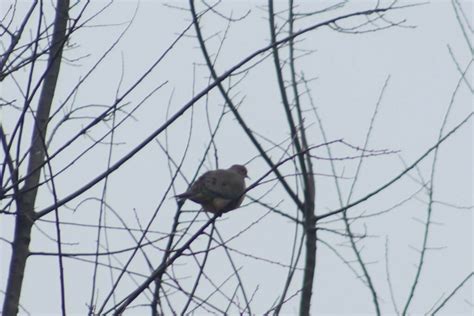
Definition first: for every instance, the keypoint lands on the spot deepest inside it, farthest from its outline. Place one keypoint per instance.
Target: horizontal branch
(198, 96)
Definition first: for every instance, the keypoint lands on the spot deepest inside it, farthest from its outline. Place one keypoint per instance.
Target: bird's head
(240, 170)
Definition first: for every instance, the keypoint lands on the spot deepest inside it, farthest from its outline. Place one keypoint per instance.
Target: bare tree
(25, 197)
(63, 134)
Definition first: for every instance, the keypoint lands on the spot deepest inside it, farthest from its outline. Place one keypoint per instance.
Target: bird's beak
(248, 177)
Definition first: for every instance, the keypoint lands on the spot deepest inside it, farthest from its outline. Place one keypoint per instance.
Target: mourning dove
(218, 190)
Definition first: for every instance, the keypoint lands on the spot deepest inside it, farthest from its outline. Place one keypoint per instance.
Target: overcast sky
(350, 72)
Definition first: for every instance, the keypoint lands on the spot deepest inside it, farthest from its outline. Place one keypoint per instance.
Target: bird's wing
(198, 192)
(216, 184)
(224, 184)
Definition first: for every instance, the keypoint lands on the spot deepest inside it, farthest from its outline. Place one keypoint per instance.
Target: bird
(220, 190)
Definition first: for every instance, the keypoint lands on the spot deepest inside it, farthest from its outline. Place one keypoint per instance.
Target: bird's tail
(181, 198)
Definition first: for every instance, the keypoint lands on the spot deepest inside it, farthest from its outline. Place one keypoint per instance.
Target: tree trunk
(26, 199)
(23, 223)
(309, 268)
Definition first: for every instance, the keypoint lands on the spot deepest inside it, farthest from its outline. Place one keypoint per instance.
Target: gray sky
(351, 71)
